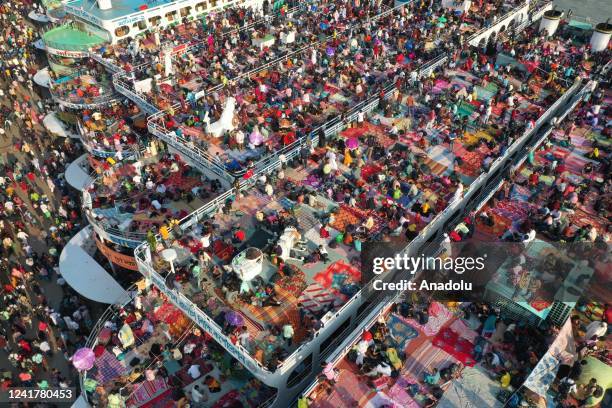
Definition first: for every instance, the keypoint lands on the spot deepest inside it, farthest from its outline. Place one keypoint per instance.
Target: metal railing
(122, 85)
(129, 239)
(203, 320)
(475, 38)
(106, 62)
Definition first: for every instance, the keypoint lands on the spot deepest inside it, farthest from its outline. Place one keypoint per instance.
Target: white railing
(537, 14)
(130, 239)
(106, 62)
(485, 32)
(124, 88)
(202, 319)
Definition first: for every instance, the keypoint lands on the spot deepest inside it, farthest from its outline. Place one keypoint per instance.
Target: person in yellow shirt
(505, 379)
(164, 232)
(347, 157)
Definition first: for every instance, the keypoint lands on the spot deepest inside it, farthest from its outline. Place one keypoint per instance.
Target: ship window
(122, 31)
(200, 7)
(300, 372)
(155, 20)
(185, 11)
(332, 341)
(141, 25)
(171, 15)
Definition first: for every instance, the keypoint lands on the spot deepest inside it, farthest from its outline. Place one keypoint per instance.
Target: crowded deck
(301, 228)
(138, 197)
(243, 115)
(113, 131)
(148, 352)
(418, 352)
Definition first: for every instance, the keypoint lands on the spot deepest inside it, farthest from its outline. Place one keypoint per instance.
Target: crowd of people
(90, 83)
(394, 355)
(385, 176)
(42, 320)
(158, 355)
(280, 105)
(116, 130)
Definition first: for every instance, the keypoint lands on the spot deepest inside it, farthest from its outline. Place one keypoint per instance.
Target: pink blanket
(438, 316)
(400, 396)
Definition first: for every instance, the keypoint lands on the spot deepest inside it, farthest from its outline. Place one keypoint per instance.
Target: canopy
(42, 77)
(54, 125)
(85, 275)
(474, 389)
(75, 175)
(41, 18)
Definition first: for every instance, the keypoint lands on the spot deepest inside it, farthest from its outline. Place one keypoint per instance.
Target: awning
(41, 18)
(42, 77)
(85, 275)
(75, 175)
(54, 125)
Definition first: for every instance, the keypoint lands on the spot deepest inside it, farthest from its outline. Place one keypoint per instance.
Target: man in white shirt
(194, 371)
(288, 333)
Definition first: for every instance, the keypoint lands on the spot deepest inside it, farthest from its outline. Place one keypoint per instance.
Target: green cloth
(90, 384)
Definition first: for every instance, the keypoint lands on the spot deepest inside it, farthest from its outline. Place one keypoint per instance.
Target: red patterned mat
(456, 346)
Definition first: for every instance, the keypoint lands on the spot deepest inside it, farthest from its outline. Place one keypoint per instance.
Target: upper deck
(261, 107)
(158, 355)
(388, 176)
(561, 197)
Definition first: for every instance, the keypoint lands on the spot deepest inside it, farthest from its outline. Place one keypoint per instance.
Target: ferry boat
(242, 226)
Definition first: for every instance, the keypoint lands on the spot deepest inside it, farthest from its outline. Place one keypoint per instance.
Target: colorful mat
(458, 347)
(401, 331)
(108, 368)
(438, 316)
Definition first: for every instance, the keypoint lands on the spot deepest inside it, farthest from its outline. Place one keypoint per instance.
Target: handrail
(498, 23)
(136, 237)
(206, 322)
(94, 100)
